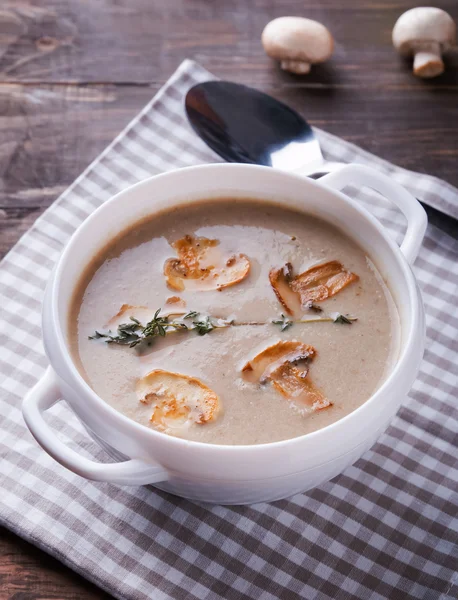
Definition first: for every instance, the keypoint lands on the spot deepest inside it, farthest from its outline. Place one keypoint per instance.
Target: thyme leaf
(191, 315)
(311, 306)
(133, 333)
(344, 319)
(204, 326)
(284, 322)
(96, 335)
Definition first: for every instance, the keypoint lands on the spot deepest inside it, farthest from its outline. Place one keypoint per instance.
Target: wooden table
(74, 72)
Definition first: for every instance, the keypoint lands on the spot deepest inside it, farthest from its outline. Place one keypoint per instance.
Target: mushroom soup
(233, 322)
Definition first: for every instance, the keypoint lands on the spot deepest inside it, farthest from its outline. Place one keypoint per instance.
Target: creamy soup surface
(350, 360)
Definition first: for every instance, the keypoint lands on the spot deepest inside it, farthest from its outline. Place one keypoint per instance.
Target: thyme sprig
(128, 334)
(285, 323)
(134, 332)
(335, 318)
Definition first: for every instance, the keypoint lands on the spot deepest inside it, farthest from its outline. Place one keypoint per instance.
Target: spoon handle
(436, 217)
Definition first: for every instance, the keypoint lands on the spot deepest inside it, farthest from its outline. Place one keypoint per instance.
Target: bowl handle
(130, 472)
(408, 205)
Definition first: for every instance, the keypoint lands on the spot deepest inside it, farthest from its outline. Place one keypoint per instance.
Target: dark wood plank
(48, 139)
(28, 573)
(49, 134)
(141, 40)
(74, 72)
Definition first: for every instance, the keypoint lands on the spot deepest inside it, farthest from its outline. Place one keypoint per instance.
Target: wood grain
(48, 139)
(27, 572)
(74, 72)
(142, 40)
(48, 134)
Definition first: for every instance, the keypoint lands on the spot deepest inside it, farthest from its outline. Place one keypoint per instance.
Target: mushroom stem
(295, 66)
(428, 61)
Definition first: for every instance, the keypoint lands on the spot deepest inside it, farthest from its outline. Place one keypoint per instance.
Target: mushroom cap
(423, 25)
(202, 267)
(178, 401)
(314, 285)
(265, 362)
(296, 38)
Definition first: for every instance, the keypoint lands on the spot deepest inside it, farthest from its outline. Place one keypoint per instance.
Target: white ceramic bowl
(217, 473)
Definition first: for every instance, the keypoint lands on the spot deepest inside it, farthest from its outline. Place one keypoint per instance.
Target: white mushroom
(426, 33)
(297, 43)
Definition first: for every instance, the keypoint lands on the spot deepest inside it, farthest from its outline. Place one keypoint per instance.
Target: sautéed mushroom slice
(314, 285)
(178, 401)
(280, 280)
(262, 365)
(322, 281)
(295, 386)
(279, 364)
(201, 266)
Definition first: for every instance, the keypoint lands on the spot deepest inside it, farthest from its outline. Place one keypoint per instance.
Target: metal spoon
(244, 125)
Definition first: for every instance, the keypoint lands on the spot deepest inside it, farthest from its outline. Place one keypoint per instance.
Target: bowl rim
(72, 376)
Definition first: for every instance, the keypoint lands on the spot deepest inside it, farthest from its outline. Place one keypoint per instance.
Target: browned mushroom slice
(178, 401)
(278, 364)
(280, 280)
(280, 353)
(294, 384)
(314, 285)
(200, 266)
(235, 269)
(321, 282)
(191, 252)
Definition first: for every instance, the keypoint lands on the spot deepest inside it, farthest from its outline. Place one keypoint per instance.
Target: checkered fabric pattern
(386, 528)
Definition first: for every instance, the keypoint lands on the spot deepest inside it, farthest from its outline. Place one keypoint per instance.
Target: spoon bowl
(244, 125)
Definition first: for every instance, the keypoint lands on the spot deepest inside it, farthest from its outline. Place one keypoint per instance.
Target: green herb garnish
(157, 325)
(284, 323)
(127, 334)
(311, 306)
(191, 315)
(97, 335)
(345, 320)
(134, 332)
(203, 327)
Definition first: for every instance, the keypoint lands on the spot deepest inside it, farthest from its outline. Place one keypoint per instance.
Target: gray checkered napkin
(386, 528)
